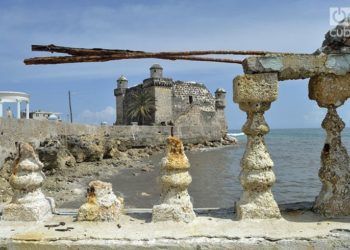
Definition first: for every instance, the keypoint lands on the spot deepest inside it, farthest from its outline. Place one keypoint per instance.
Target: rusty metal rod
(99, 51)
(104, 58)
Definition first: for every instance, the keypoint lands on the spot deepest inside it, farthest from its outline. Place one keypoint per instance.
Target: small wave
(235, 134)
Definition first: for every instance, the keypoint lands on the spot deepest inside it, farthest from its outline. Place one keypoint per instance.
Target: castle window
(190, 98)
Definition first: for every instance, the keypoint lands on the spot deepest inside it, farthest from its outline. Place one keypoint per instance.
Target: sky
(157, 25)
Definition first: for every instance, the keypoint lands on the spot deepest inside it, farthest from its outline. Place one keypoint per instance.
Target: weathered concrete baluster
(331, 91)
(254, 93)
(102, 204)
(175, 204)
(28, 202)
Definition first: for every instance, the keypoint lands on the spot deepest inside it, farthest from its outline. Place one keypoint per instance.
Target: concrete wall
(13, 130)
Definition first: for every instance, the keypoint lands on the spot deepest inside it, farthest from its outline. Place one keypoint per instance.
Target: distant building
(175, 101)
(44, 115)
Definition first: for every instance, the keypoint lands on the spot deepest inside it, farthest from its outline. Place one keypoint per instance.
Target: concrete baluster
(331, 91)
(254, 93)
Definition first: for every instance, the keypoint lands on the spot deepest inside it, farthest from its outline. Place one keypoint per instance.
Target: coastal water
(215, 172)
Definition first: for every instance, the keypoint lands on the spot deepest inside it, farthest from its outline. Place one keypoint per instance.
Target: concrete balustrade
(298, 66)
(330, 87)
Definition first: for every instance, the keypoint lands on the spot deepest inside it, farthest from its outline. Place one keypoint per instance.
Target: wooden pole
(70, 107)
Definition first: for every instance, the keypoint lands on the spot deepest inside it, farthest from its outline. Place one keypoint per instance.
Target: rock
(133, 153)
(102, 204)
(28, 202)
(111, 148)
(85, 148)
(147, 169)
(111, 153)
(230, 140)
(208, 144)
(123, 146)
(77, 191)
(175, 201)
(145, 194)
(55, 156)
(6, 192)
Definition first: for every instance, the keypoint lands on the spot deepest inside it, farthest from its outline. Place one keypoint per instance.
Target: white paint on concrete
(296, 230)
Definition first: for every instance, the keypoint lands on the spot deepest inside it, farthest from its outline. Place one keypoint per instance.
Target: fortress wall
(34, 131)
(200, 95)
(163, 96)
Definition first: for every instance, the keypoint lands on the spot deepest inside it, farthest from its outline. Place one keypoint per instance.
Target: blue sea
(215, 172)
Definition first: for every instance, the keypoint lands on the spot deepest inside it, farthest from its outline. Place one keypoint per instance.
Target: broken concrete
(255, 88)
(329, 89)
(102, 204)
(254, 93)
(330, 92)
(176, 203)
(28, 202)
(334, 198)
(298, 66)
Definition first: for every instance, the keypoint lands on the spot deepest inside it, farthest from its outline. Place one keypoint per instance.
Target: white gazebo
(14, 97)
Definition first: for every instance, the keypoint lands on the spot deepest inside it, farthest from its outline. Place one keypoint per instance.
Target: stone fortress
(176, 102)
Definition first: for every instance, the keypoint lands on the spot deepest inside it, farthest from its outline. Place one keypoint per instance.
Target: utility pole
(70, 107)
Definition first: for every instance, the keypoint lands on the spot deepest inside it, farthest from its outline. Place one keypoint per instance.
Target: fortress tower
(156, 71)
(119, 93)
(220, 104)
(220, 99)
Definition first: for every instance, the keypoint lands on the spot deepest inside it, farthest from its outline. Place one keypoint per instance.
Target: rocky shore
(70, 162)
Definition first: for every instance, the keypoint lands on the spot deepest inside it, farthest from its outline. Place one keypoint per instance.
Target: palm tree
(141, 107)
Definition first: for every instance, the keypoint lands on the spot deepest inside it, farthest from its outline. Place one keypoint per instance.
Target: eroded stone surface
(329, 89)
(102, 204)
(28, 202)
(334, 198)
(257, 177)
(298, 66)
(332, 91)
(255, 88)
(175, 200)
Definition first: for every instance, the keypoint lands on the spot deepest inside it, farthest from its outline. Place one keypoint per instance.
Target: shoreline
(68, 184)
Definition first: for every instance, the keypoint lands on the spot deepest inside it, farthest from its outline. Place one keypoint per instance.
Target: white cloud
(96, 117)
